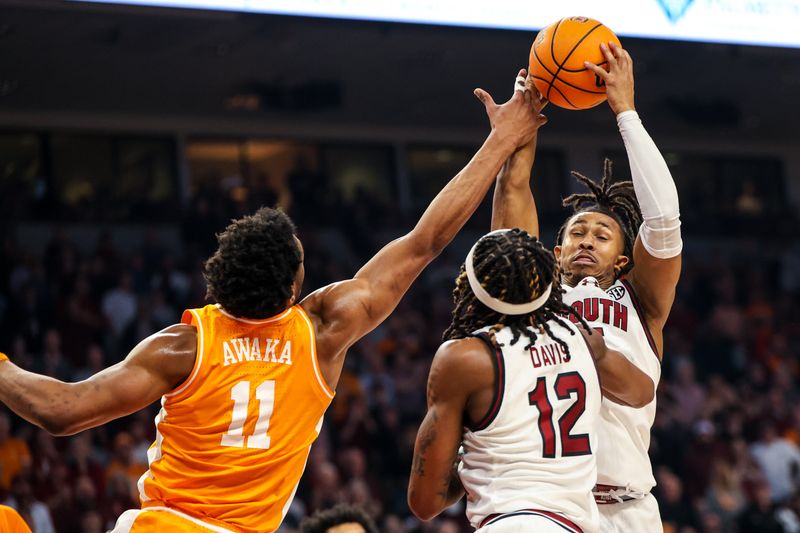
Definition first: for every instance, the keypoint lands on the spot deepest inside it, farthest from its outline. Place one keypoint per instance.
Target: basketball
(556, 62)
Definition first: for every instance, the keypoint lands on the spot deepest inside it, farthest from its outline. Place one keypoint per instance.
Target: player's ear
(557, 253)
(620, 263)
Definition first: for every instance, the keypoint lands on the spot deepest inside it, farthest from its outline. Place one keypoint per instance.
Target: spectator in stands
(123, 461)
(760, 515)
(22, 500)
(14, 453)
(725, 496)
(779, 459)
(676, 512)
(119, 307)
(52, 362)
(339, 519)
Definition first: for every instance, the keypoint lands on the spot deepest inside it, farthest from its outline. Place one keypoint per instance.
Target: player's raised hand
(618, 78)
(518, 119)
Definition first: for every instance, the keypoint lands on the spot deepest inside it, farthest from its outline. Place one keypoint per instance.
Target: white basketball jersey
(534, 450)
(624, 433)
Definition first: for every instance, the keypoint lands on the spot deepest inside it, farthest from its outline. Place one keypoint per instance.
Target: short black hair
(616, 200)
(514, 267)
(252, 272)
(322, 521)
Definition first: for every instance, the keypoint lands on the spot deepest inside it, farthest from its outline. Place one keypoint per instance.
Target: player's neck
(571, 280)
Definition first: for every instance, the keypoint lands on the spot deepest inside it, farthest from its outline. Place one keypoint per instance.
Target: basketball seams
(561, 65)
(583, 94)
(561, 93)
(536, 55)
(553, 56)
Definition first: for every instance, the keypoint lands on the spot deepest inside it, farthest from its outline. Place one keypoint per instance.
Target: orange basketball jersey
(232, 440)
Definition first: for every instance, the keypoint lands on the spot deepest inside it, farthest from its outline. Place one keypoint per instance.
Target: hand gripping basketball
(618, 78)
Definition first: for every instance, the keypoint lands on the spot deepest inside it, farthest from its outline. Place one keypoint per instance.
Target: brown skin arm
(460, 382)
(653, 279)
(346, 311)
(156, 366)
(620, 380)
(513, 205)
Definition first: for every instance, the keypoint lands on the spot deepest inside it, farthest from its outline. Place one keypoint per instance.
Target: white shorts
(522, 521)
(641, 516)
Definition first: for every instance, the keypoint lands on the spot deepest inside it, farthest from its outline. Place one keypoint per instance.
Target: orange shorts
(162, 519)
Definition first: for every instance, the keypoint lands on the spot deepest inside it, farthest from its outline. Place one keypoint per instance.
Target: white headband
(493, 303)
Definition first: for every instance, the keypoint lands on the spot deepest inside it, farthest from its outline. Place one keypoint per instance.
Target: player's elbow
(55, 424)
(422, 505)
(422, 509)
(643, 393)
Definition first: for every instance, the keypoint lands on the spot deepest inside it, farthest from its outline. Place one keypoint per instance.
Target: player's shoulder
(466, 362)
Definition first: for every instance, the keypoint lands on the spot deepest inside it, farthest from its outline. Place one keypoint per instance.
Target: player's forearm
(454, 490)
(655, 189)
(452, 207)
(513, 205)
(429, 496)
(623, 382)
(41, 400)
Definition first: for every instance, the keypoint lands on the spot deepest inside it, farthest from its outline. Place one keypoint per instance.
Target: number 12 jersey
(535, 448)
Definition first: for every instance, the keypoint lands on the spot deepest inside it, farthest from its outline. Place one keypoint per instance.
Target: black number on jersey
(567, 384)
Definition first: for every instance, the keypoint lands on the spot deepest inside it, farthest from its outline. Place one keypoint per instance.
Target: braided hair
(616, 200)
(516, 268)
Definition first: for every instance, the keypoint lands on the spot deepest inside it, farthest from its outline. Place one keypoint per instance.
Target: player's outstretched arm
(656, 253)
(513, 205)
(620, 380)
(346, 311)
(154, 367)
(459, 369)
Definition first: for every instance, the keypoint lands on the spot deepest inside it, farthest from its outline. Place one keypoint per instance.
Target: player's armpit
(153, 368)
(620, 380)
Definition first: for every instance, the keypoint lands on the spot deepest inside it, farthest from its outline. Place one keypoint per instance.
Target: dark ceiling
(61, 56)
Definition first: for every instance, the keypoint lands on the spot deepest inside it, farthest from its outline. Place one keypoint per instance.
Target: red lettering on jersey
(620, 316)
(535, 358)
(578, 306)
(591, 309)
(605, 303)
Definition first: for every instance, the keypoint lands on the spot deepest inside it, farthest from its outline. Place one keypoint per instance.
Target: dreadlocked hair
(514, 267)
(617, 200)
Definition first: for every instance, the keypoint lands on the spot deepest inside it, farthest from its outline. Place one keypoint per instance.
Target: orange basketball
(556, 62)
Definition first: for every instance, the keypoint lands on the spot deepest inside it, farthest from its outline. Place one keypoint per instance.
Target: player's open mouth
(584, 258)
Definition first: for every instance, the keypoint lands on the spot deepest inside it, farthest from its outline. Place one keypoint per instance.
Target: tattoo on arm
(427, 438)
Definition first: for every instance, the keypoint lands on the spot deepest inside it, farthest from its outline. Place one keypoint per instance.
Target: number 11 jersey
(232, 441)
(534, 451)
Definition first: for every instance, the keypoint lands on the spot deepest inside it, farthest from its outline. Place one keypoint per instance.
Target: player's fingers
(541, 119)
(612, 60)
(600, 71)
(485, 98)
(539, 102)
(520, 81)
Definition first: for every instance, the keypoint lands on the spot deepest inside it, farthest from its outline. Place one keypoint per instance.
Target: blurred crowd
(725, 442)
